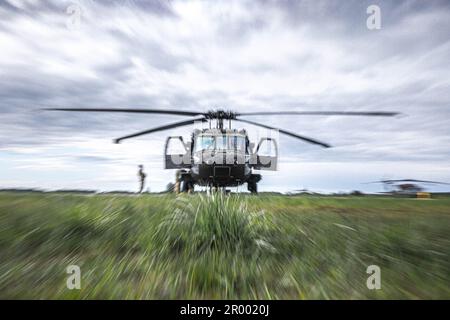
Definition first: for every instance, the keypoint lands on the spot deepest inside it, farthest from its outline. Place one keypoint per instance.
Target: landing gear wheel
(252, 186)
(190, 187)
(178, 181)
(184, 186)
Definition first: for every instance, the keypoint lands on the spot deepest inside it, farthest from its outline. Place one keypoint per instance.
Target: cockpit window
(204, 143)
(220, 142)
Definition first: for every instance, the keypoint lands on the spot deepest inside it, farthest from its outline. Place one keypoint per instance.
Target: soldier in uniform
(141, 175)
(182, 184)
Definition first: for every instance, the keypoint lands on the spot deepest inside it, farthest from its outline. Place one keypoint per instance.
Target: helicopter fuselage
(219, 158)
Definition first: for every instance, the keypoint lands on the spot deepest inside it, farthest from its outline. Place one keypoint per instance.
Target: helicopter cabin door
(176, 153)
(266, 155)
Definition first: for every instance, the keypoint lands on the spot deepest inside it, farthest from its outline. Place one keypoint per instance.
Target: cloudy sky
(239, 55)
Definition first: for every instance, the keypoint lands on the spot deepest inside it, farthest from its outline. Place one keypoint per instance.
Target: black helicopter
(217, 156)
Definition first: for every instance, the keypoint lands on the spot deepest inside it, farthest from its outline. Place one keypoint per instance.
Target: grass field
(234, 247)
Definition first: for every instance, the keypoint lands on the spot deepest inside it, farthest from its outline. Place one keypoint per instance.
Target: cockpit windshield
(220, 142)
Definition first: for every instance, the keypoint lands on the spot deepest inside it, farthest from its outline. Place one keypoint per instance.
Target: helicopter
(220, 156)
(405, 186)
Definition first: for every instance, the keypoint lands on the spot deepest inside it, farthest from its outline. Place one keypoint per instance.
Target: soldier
(182, 184)
(141, 175)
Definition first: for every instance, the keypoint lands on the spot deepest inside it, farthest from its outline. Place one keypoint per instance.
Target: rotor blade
(414, 180)
(172, 112)
(376, 182)
(407, 180)
(325, 145)
(320, 113)
(166, 127)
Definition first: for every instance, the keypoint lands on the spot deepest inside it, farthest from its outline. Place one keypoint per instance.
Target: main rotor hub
(220, 114)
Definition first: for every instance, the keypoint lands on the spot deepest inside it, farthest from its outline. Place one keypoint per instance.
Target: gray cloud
(241, 55)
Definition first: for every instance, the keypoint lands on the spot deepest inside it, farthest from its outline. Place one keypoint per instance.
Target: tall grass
(230, 247)
(216, 222)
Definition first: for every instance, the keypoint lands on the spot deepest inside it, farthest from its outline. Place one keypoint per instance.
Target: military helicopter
(219, 156)
(405, 186)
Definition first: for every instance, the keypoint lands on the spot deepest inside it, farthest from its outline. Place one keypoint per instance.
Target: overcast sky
(238, 55)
